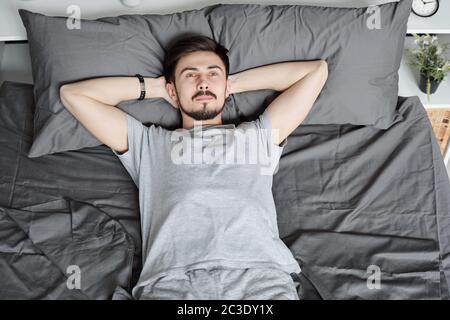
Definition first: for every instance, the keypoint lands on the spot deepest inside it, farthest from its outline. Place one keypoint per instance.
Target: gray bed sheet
(354, 199)
(348, 197)
(68, 209)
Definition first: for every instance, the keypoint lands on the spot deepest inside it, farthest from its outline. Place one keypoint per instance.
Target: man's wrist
(234, 83)
(152, 87)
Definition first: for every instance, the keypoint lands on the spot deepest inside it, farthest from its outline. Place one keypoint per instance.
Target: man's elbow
(66, 95)
(323, 67)
(65, 90)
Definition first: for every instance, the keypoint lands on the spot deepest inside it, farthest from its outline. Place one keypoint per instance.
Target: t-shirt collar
(215, 126)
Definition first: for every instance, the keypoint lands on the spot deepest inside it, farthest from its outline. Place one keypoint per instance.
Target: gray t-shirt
(204, 200)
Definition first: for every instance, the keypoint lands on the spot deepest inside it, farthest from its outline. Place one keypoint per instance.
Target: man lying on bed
(209, 228)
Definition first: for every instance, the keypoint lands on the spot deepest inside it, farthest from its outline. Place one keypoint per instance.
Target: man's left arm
(301, 83)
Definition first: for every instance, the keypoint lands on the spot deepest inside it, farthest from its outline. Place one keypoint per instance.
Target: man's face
(201, 86)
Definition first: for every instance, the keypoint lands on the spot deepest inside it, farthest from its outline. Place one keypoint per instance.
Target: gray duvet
(350, 199)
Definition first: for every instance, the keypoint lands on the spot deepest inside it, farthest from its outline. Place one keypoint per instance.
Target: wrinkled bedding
(353, 199)
(75, 208)
(348, 197)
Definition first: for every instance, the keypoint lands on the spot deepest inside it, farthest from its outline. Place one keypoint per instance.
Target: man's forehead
(199, 68)
(200, 62)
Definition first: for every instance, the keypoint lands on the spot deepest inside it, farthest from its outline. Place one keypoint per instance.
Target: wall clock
(425, 8)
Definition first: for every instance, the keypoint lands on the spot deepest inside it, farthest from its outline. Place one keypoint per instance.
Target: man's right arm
(93, 103)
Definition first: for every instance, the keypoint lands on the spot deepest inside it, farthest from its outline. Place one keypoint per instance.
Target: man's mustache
(204, 93)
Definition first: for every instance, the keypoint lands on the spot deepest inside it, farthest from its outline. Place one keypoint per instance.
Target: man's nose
(202, 84)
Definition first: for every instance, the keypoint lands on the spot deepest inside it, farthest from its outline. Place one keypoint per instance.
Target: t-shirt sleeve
(273, 151)
(138, 142)
(264, 122)
(270, 151)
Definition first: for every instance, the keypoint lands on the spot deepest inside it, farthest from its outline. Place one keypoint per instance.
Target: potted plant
(429, 59)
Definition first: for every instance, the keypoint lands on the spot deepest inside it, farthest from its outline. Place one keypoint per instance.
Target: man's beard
(204, 114)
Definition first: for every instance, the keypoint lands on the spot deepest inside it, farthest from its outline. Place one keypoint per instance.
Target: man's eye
(212, 74)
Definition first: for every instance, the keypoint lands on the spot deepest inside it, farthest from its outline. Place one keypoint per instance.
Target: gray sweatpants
(223, 284)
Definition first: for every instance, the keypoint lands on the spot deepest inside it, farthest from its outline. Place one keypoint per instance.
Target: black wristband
(142, 84)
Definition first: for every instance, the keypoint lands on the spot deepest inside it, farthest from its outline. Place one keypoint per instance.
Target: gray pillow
(361, 89)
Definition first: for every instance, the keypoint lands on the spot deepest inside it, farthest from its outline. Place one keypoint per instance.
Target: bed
(362, 205)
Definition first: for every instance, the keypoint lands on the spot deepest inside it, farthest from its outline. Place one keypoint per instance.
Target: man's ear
(171, 90)
(228, 88)
(172, 93)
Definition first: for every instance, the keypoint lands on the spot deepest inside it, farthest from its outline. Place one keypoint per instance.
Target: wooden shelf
(440, 120)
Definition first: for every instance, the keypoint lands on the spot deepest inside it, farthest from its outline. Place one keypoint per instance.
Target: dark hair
(188, 44)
